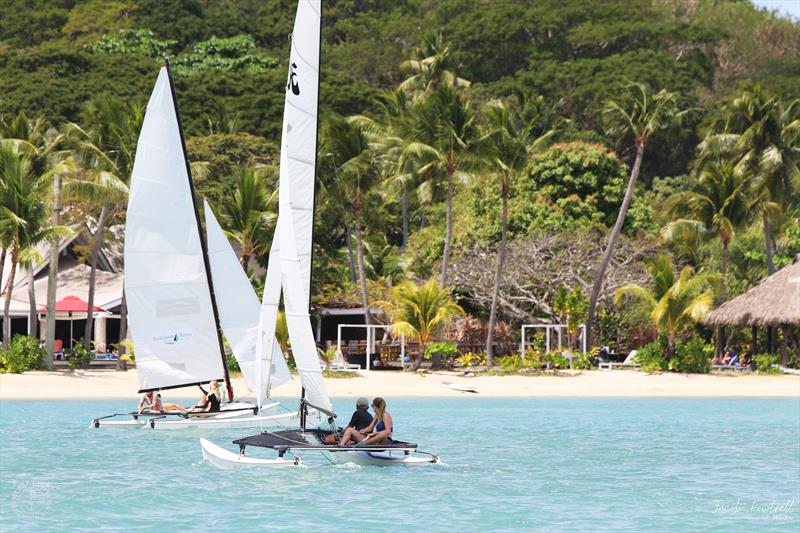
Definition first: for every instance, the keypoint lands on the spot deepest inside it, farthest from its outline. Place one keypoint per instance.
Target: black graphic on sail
(293, 85)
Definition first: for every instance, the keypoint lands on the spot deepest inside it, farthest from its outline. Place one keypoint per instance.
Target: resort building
(73, 282)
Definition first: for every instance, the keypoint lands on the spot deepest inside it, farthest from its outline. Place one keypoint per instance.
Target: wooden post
(754, 342)
(785, 345)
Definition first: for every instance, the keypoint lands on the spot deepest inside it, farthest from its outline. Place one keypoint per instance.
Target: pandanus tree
(442, 129)
(106, 150)
(760, 136)
(247, 215)
(635, 119)
(674, 304)
(23, 217)
(420, 312)
(514, 131)
(348, 158)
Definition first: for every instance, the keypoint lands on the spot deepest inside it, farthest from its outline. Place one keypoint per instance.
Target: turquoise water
(510, 465)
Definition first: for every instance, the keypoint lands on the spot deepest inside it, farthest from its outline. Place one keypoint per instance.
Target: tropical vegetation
(541, 161)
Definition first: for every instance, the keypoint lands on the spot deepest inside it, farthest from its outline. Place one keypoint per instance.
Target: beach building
(73, 281)
(772, 304)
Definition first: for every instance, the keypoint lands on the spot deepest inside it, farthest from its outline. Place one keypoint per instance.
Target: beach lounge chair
(629, 362)
(340, 363)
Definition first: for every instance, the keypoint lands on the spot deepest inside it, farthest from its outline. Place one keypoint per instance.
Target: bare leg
(351, 434)
(167, 407)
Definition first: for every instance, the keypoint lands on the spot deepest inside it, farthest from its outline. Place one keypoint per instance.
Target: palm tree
(514, 133)
(718, 203)
(420, 312)
(442, 129)
(761, 137)
(246, 214)
(638, 117)
(43, 147)
(346, 152)
(23, 216)
(107, 150)
(674, 305)
(430, 66)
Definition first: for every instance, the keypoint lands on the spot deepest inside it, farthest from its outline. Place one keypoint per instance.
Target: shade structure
(774, 302)
(72, 304)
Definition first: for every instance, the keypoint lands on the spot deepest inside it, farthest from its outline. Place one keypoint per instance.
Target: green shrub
(443, 349)
(79, 356)
(652, 356)
(232, 363)
(556, 360)
(692, 356)
(472, 359)
(765, 362)
(24, 353)
(583, 361)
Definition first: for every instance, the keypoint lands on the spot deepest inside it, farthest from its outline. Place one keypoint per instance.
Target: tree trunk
(52, 277)
(244, 260)
(33, 318)
(123, 323)
(8, 291)
(98, 243)
(449, 229)
(721, 298)
(404, 206)
(418, 359)
(2, 263)
(350, 256)
(768, 241)
(501, 258)
(360, 256)
(601, 271)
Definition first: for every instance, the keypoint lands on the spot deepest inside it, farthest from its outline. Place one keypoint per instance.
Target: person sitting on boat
(210, 401)
(161, 407)
(378, 432)
(360, 419)
(147, 400)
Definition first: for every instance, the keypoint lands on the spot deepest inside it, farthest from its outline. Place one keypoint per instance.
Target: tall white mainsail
(166, 285)
(290, 256)
(239, 311)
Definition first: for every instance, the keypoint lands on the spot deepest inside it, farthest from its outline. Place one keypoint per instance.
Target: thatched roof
(775, 301)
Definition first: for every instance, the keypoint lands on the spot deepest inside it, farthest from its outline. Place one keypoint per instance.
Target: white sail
(290, 256)
(239, 310)
(169, 302)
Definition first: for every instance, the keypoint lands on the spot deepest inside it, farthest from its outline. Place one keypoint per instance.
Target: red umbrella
(71, 304)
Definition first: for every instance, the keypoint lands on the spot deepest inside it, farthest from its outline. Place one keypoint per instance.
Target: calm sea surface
(509, 465)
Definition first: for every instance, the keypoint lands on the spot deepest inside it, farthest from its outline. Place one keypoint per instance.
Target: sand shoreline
(617, 383)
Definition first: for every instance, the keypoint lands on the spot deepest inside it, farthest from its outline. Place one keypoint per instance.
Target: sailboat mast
(203, 244)
(316, 157)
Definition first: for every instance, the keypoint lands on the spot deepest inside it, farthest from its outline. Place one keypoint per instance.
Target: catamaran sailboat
(289, 272)
(182, 294)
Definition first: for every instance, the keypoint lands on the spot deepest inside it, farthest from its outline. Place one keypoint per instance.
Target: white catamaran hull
(222, 458)
(384, 458)
(221, 421)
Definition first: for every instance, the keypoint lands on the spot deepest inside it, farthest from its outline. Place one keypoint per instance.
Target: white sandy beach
(111, 384)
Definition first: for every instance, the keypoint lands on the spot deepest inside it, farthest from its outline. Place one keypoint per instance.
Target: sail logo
(172, 338)
(292, 84)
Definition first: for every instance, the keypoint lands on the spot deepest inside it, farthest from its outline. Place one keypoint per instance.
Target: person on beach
(378, 432)
(360, 419)
(211, 400)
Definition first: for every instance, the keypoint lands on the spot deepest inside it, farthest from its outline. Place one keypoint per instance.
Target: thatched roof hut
(775, 301)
